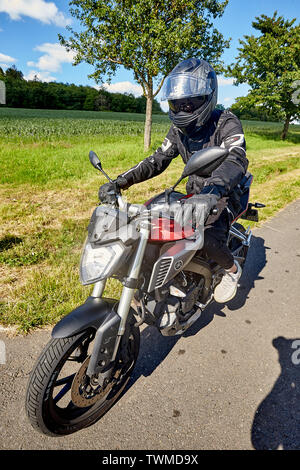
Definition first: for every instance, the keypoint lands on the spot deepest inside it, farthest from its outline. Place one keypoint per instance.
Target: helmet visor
(184, 85)
(187, 105)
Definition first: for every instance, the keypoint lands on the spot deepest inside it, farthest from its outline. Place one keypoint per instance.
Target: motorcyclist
(191, 90)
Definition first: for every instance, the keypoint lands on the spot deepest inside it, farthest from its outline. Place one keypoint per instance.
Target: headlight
(97, 262)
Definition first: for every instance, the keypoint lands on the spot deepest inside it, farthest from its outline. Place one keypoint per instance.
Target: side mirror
(203, 162)
(95, 160)
(97, 164)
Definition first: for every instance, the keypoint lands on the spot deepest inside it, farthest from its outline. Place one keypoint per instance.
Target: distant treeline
(34, 94)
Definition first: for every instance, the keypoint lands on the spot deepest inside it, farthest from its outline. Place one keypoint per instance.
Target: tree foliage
(148, 37)
(255, 112)
(270, 65)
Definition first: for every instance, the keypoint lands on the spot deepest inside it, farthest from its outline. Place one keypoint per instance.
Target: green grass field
(49, 189)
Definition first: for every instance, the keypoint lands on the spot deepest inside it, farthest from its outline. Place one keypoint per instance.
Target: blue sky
(29, 39)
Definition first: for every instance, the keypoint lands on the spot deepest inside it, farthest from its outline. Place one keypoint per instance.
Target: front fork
(127, 292)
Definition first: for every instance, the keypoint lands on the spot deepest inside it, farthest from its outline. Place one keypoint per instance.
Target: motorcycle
(154, 250)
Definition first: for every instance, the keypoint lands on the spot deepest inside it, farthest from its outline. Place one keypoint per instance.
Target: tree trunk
(286, 127)
(148, 122)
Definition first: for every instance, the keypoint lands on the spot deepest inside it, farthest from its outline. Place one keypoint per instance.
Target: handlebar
(136, 209)
(132, 209)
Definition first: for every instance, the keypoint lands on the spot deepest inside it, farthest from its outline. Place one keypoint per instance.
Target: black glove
(217, 200)
(209, 200)
(198, 207)
(108, 191)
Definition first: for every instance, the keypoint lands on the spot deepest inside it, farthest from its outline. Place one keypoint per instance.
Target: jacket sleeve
(155, 164)
(232, 170)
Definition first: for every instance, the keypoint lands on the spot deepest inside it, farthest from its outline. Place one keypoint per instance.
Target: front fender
(91, 314)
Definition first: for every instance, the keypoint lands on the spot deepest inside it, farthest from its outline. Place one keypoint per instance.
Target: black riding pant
(215, 238)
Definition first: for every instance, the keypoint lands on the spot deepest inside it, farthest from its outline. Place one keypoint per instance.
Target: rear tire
(43, 402)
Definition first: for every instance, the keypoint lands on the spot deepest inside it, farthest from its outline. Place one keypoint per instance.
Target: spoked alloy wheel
(59, 399)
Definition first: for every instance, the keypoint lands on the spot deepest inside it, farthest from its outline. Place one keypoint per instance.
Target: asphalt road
(232, 381)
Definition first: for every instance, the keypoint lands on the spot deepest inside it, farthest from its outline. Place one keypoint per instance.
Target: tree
(257, 112)
(270, 65)
(14, 73)
(148, 37)
(103, 101)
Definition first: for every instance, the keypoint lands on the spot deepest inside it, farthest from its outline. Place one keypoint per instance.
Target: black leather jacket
(223, 129)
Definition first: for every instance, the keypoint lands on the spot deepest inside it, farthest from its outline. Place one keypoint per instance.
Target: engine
(176, 301)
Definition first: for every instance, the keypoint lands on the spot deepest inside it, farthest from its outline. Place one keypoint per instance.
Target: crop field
(49, 190)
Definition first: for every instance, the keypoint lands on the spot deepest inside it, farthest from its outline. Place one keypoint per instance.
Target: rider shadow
(256, 261)
(276, 423)
(154, 347)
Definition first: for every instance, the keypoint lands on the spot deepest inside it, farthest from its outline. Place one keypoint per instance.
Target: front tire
(49, 405)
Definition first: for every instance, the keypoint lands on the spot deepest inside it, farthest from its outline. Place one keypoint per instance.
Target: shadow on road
(155, 347)
(277, 420)
(256, 261)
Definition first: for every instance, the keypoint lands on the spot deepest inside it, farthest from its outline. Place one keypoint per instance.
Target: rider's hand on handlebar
(210, 200)
(212, 193)
(108, 191)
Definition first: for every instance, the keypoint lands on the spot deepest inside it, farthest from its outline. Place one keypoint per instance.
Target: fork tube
(98, 288)
(128, 292)
(134, 271)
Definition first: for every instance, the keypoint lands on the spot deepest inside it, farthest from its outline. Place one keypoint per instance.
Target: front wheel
(58, 402)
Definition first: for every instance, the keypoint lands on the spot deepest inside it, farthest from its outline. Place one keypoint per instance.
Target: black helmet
(191, 90)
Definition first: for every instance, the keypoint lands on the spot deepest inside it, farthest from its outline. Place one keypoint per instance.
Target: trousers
(215, 238)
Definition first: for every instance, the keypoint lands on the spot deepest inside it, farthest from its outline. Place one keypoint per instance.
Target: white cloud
(227, 101)
(46, 12)
(6, 58)
(42, 76)
(54, 56)
(225, 81)
(123, 87)
(6, 61)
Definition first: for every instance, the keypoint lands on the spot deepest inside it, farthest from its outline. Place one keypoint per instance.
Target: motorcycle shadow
(155, 348)
(256, 261)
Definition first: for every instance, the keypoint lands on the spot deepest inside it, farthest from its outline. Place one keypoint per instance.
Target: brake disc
(85, 392)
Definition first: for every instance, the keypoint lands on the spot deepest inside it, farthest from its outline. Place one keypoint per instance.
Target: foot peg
(252, 214)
